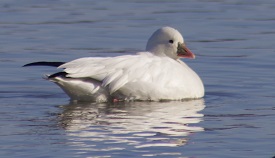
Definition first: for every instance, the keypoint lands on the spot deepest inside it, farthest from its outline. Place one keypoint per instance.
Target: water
(234, 44)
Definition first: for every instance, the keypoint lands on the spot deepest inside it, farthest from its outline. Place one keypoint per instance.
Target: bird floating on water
(153, 75)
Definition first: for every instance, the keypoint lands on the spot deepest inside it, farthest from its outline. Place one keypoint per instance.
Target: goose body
(155, 74)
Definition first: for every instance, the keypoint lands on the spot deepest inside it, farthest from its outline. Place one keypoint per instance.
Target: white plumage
(157, 74)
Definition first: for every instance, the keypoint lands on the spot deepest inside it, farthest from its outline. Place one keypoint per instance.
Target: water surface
(234, 44)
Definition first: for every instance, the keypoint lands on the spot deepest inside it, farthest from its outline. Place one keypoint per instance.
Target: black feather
(45, 63)
(58, 74)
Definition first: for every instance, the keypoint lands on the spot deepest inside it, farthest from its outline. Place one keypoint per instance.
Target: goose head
(168, 41)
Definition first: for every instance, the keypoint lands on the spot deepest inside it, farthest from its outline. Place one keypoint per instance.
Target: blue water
(234, 44)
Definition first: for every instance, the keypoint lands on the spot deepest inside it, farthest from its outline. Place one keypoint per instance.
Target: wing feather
(118, 83)
(111, 77)
(117, 71)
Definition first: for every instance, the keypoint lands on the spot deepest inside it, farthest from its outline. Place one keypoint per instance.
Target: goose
(156, 74)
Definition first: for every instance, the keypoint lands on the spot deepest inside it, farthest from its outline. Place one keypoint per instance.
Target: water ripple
(137, 125)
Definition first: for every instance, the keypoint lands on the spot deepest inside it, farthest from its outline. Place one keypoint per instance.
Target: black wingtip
(58, 74)
(44, 63)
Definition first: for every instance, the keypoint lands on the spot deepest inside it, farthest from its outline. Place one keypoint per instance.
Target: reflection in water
(135, 124)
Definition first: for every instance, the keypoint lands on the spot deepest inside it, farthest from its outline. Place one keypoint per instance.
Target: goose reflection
(139, 124)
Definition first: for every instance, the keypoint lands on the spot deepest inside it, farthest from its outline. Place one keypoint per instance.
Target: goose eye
(171, 41)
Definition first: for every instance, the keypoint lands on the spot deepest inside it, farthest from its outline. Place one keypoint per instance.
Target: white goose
(154, 75)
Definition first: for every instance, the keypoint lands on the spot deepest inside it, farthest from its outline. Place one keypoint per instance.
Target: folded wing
(117, 71)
